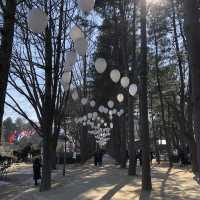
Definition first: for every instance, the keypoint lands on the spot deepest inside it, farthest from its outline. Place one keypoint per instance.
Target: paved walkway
(111, 183)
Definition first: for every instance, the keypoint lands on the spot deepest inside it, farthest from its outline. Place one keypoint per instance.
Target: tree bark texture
(6, 52)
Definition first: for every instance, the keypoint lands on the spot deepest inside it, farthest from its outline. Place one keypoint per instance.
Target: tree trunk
(54, 142)
(131, 150)
(124, 53)
(193, 150)
(84, 145)
(116, 140)
(123, 151)
(47, 115)
(6, 52)
(46, 165)
(131, 139)
(191, 22)
(144, 124)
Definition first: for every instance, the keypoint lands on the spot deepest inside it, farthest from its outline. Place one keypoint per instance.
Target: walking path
(111, 183)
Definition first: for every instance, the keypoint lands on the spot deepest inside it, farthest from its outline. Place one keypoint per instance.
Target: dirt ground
(111, 183)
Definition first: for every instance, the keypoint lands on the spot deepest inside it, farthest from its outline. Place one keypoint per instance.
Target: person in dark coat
(96, 158)
(36, 170)
(100, 160)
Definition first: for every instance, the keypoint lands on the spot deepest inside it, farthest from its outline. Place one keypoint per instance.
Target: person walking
(100, 157)
(96, 158)
(36, 170)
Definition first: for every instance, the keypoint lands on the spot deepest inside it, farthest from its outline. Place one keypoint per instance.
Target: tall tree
(191, 22)
(131, 100)
(39, 68)
(144, 124)
(9, 10)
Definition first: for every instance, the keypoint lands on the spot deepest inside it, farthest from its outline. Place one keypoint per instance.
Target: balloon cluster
(102, 135)
(80, 46)
(98, 127)
(38, 21)
(115, 75)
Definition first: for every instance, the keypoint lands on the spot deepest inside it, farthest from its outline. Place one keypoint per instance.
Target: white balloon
(75, 95)
(92, 103)
(95, 114)
(70, 58)
(67, 68)
(125, 81)
(76, 33)
(114, 111)
(118, 114)
(106, 110)
(65, 86)
(37, 20)
(115, 75)
(100, 65)
(66, 77)
(121, 112)
(120, 98)
(133, 89)
(110, 104)
(89, 115)
(86, 5)
(111, 125)
(101, 109)
(84, 118)
(81, 46)
(76, 120)
(84, 101)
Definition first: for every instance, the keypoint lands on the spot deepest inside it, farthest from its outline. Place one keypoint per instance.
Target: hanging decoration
(81, 46)
(105, 110)
(89, 115)
(115, 75)
(133, 89)
(86, 5)
(65, 86)
(125, 81)
(111, 125)
(75, 95)
(66, 77)
(92, 103)
(37, 20)
(76, 33)
(110, 104)
(101, 109)
(100, 65)
(120, 98)
(84, 101)
(67, 68)
(70, 58)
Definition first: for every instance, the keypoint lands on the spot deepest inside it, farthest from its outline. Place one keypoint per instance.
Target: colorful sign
(16, 136)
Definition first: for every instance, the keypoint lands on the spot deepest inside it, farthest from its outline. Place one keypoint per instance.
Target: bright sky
(25, 106)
